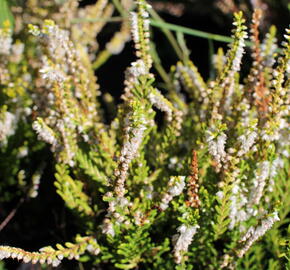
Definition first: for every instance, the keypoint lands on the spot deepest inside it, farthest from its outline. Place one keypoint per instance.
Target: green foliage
(5, 14)
(71, 191)
(2, 266)
(223, 211)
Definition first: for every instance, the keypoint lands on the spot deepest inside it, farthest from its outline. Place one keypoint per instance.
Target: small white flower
(182, 242)
(5, 42)
(8, 123)
(107, 228)
(253, 234)
(51, 74)
(247, 141)
(216, 147)
(261, 175)
(161, 103)
(220, 194)
(44, 133)
(134, 27)
(176, 186)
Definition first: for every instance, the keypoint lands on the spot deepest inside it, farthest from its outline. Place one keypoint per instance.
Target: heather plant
(193, 175)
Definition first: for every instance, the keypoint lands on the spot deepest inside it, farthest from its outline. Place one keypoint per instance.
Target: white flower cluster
(117, 43)
(5, 42)
(58, 40)
(34, 30)
(276, 131)
(48, 255)
(173, 163)
(177, 121)
(93, 247)
(134, 27)
(265, 172)
(140, 218)
(161, 103)
(117, 202)
(146, 20)
(239, 52)
(277, 164)
(253, 234)
(132, 141)
(238, 201)
(262, 173)
(217, 58)
(140, 32)
(108, 228)
(8, 123)
(268, 48)
(45, 133)
(229, 96)
(234, 56)
(216, 147)
(182, 241)
(244, 109)
(66, 128)
(17, 51)
(16, 253)
(22, 152)
(176, 186)
(177, 85)
(50, 73)
(113, 214)
(195, 77)
(137, 68)
(60, 50)
(54, 257)
(33, 192)
(247, 141)
(269, 136)
(135, 23)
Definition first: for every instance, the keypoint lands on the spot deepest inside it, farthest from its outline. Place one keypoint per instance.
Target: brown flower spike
(193, 198)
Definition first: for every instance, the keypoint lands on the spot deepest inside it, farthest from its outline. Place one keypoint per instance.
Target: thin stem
(210, 57)
(119, 7)
(194, 32)
(102, 57)
(190, 31)
(83, 20)
(11, 215)
(157, 64)
(182, 44)
(167, 33)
